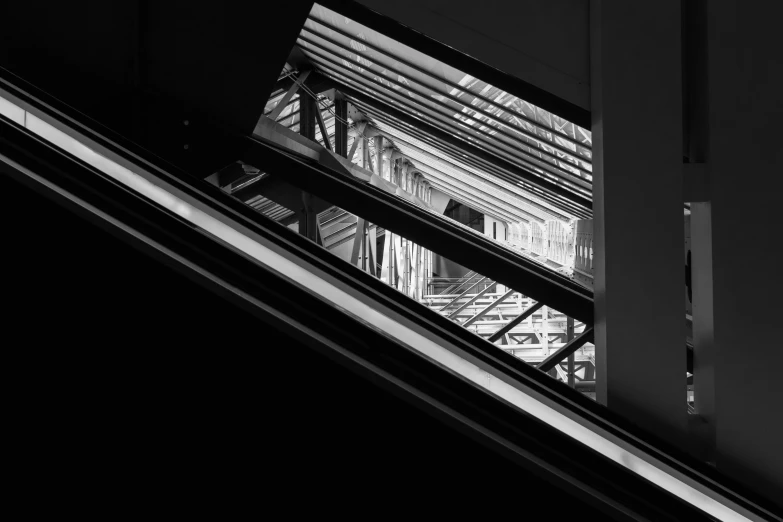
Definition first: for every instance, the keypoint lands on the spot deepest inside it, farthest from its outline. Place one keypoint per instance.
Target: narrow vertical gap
(698, 250)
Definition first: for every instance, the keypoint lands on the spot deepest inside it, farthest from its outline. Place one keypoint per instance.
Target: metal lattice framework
(410, 126)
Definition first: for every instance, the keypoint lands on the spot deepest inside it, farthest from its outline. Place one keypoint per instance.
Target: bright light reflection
(339, 298)
(11, 111)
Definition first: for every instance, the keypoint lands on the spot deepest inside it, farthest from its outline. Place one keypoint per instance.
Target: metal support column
(638, 270)
(379, 155)
(359, 138)
(358, 240)
(308, 220)
(307, 117)
(307, 120)
(569, 338)
(341, 127)
(319, 117)
(366, 164)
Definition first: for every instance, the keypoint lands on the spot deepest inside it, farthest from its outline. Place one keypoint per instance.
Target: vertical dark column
(365, 250)
(742, 334)
(341, 127)
(307, 218)
(308, 225)
(379, 155)
(307, 115)
(569, 338)
(366, 164)
(695, 150)
(639, 310)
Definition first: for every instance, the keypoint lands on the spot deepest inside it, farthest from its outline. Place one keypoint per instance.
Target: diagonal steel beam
(469, 276)
(463, 294)
(436, 233)
(569, 348)
(288, 95)
(357, 241)
(488, 308)
(471, 301)
(321, 125)
(521, 317)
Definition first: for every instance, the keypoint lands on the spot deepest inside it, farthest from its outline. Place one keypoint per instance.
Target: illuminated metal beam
(473, 200)
(359, 131)
(570, 347)
(324, 133)
(357, 241)
(463, 294)
(518, 138)
(460, 61)
(510, 326)
(288, 95)
(488, 308)
(469, 276)
(469, 148)
(471, 300)
(509, 194)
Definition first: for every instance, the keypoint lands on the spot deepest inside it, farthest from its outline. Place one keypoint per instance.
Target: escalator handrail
(290, 306)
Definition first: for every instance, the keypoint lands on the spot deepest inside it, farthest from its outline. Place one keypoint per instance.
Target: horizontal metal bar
(570, 347)
(510, 326)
